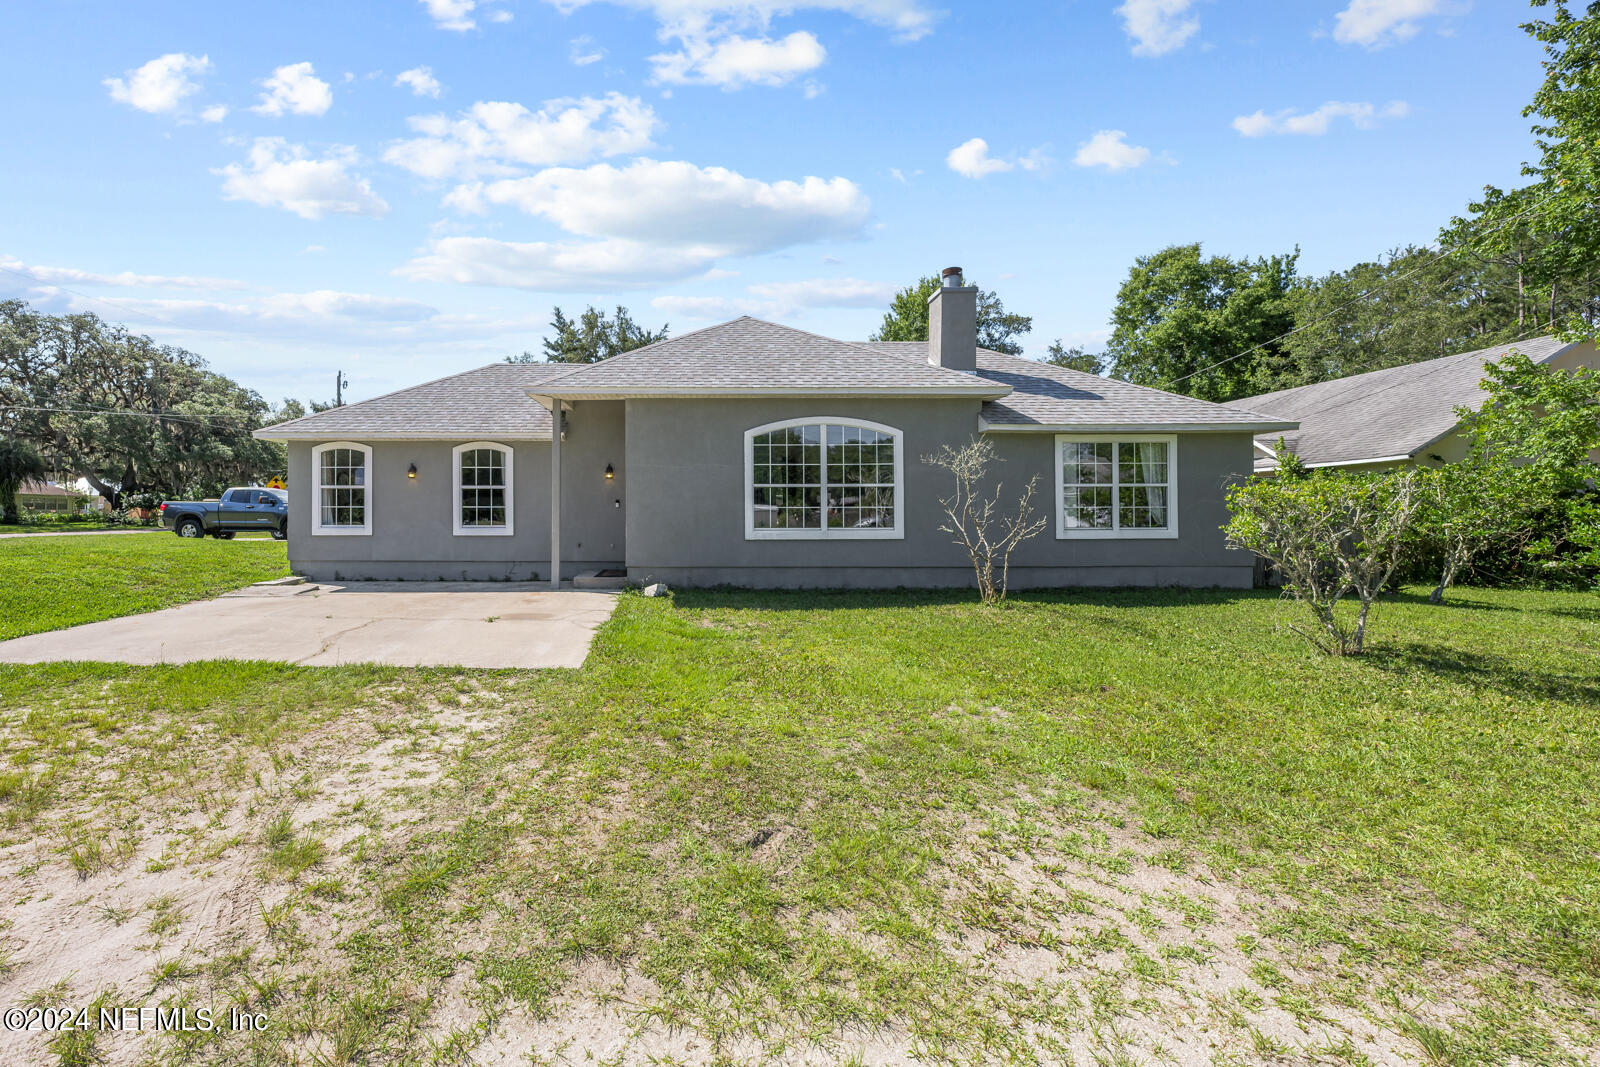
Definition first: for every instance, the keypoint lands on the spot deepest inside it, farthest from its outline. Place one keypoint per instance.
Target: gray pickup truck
(239, 511)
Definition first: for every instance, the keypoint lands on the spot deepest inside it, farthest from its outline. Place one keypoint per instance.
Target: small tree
(18, 463)
(1331, 535)
(976, 523)
(1527, 464)
(1462, 509)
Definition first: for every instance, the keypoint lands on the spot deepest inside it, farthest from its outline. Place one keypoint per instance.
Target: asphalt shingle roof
(1381, 414)
(490, 401)
(750, 355)
(1045, 395)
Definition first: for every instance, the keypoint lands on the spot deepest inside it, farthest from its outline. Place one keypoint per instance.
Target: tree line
(83, 398)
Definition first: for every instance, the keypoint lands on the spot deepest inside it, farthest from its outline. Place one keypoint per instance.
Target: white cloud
(585, 51)
(909, 19)
(489, 138)
(123, 279)
(776, 300)
(682, 205)
(214, 113)
(826, 293)
(420, 81)
(294, 89)
(649, 222)
(161, 84)
(1315, 123)
(1110, 149)
(283, 175)
(970, 159)
(500, 16)
(1376, 23)
(451, 14)
(1158, 26)
(734, 61)
(554, 267)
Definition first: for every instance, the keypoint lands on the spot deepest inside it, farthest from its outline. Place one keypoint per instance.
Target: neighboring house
(53, 498)
(1396, 416)
(754, 454)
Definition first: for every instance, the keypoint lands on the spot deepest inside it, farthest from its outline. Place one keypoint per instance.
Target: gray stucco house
(758, 455)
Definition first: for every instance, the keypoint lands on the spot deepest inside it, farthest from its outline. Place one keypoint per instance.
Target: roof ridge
(578, 367)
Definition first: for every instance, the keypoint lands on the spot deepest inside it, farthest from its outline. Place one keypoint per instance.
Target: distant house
(755, 454)
(1398, 416)
(53, 498)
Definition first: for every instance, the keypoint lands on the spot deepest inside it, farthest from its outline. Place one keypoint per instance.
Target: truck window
(237, 496)
(267, 500)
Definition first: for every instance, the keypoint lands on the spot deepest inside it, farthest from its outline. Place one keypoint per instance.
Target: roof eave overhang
(985, 426)
(694, 392)
(348, 434)
(1267, 468)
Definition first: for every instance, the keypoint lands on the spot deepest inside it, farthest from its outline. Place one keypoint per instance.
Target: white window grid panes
(343, 482)
(1116, 487)
(823, 477)
(483, 488)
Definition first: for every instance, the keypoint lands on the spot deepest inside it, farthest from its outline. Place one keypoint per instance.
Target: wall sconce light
(411, 472)
(610, 474)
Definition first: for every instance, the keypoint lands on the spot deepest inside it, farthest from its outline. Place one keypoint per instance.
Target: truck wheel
(224, 535)
(189, 528)
(280, 533)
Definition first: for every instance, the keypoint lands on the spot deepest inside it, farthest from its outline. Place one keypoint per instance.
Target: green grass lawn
(1102, 827)
(62, 527)
(50, 582)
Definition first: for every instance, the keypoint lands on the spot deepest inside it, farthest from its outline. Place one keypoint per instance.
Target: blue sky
(404, 188)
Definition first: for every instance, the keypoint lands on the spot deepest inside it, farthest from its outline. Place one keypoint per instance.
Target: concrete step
(592, 580)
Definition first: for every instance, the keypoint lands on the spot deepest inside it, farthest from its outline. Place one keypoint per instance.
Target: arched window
(483, 485)
(342, 474)
(823, 478)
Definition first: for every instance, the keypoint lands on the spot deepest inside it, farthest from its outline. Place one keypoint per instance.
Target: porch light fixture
(610, 474)
(411, 472)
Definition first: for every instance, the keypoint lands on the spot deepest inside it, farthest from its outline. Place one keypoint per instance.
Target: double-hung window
(342, 472)
(1116, 486)
(483, 489)
(823, 478)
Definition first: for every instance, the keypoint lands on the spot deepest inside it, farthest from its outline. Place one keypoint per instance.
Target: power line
(1357, 299)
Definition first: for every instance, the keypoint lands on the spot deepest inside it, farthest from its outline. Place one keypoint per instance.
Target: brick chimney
(953, 323)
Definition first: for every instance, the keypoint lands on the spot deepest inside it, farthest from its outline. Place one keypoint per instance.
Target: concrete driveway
(405, 624)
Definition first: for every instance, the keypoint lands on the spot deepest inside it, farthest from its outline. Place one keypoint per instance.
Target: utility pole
(340, 382)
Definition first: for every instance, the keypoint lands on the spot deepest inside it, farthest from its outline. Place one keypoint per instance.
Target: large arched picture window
(342, 475)
(483, 489)
(822, 478)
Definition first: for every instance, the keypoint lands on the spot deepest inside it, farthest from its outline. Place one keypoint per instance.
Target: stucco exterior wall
(686, 519)
(413, 534)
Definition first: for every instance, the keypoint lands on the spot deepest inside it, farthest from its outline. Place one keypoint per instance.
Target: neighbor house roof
(490, 401)
(750, 356)
(1047, 397)
(33, 488)
(1385, 415)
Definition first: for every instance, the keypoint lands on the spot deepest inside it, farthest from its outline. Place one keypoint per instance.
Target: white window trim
(825, 533)
(455, 492)
(1166, 533)
(319, 530)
